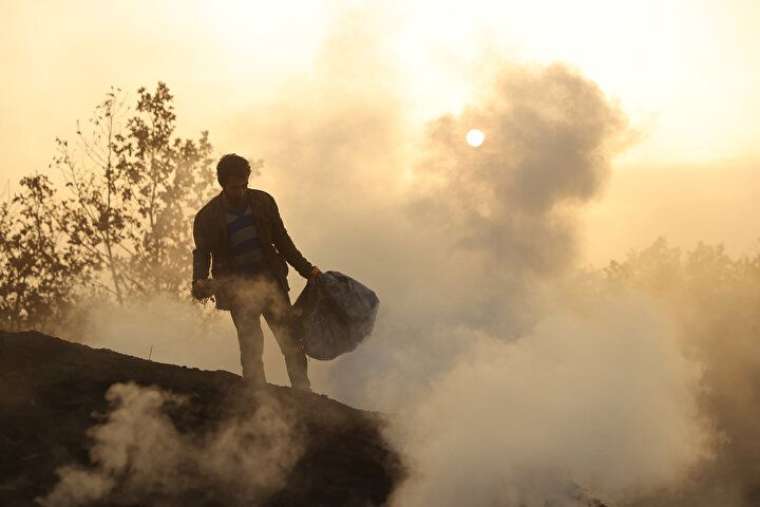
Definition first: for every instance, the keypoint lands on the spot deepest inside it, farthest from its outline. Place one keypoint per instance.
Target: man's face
(234, 188)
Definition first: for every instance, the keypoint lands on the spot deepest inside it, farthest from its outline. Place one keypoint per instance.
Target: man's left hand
(315, 272)
(202, 289)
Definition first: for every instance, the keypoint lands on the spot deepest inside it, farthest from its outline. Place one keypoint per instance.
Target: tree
(172, 178)
(40, 263)
(134, 186)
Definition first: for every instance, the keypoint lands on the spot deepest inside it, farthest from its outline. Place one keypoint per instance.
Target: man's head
(233, 172)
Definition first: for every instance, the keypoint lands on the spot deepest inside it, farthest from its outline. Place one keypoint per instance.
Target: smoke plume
(505, 387)
(511, 377)
(140, 457)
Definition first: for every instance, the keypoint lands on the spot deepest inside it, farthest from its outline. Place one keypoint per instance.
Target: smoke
(140, 457)
(504, 388)
(713, 300)
(510, 379)
(602, 398)
(520, 389)
(482, 239)
(165, 329)
(509, 208)
(549, 138)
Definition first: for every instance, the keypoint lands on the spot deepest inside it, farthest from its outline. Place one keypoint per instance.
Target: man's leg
(277, 315)
(248, 324)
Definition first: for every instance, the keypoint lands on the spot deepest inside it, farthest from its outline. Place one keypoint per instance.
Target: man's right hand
(202, 289)
(315, 273)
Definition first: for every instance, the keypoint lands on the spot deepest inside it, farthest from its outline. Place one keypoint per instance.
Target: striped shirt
(245, 247)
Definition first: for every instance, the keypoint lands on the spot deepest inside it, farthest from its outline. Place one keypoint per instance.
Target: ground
(52, 391)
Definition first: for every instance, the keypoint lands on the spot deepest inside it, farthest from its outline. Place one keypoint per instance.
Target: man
(241, 241)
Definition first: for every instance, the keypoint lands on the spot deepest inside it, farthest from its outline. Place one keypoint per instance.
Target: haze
(606, 125)
(683, 72)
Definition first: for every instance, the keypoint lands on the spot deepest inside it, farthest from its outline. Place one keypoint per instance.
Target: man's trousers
(252, 298)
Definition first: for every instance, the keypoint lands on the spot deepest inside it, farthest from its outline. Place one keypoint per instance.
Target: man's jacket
(211, 254)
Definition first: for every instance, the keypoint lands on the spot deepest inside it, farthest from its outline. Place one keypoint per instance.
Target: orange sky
(686, 73)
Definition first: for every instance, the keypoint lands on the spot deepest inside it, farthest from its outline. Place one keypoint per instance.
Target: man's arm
(201, 258)
(286, 247)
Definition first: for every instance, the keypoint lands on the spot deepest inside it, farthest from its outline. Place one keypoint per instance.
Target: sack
(333, 314)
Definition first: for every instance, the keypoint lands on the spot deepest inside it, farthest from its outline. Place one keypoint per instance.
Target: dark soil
(52, 391)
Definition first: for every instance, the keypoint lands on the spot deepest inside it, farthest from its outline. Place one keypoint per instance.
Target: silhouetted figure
(241, 242)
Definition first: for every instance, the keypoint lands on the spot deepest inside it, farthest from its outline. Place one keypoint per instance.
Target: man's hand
(202, 289)
(315, 272)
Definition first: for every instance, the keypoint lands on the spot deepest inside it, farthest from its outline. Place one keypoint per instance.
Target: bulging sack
(334, 314)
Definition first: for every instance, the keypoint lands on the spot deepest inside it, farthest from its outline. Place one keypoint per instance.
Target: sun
(475, 137)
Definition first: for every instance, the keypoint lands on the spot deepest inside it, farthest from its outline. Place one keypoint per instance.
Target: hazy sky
(685, 72)
(486, 341)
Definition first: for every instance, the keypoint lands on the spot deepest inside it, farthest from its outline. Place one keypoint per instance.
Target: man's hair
(231, 164)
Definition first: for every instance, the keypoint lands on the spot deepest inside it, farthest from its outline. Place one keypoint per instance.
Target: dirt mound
(57, 428)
